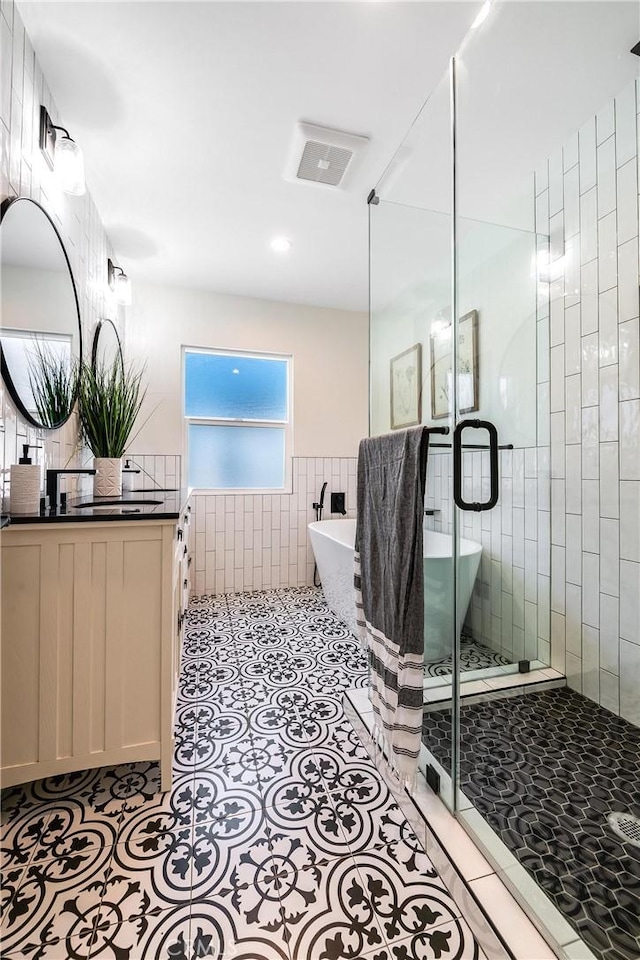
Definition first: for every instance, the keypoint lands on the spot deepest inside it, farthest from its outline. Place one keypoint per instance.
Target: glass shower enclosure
(483, 267)
(450, 292)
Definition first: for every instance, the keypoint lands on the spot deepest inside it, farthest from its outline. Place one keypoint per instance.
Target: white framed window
(237, 418)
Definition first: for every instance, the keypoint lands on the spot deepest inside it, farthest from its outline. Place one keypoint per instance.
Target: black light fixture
(636, 49)
(119, 282)
(62, 154)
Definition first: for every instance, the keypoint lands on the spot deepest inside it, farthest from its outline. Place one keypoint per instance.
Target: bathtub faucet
(319, 506)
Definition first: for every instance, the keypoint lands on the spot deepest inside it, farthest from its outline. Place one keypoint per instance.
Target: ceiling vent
(322, 156)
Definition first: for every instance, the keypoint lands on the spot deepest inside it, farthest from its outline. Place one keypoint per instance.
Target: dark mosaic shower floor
(545, 769)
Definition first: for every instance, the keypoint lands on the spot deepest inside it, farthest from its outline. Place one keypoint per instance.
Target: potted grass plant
(110, 398)
(54, 384)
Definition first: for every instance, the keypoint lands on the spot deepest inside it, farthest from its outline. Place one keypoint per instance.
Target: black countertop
(148, 504)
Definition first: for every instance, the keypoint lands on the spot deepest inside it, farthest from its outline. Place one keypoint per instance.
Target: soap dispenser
(25, 483)
(128, 476)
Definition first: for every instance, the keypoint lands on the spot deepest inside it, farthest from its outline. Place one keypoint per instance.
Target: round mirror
(40, 336)
(107, 349)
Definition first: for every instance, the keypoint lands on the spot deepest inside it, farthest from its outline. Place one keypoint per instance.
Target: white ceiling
(186, 111)
(528, 79)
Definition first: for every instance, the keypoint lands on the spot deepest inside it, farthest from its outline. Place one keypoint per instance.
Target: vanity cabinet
(92, 623)
(181, 591)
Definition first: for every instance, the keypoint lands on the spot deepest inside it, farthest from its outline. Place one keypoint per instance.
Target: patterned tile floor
(473, 656)
(544, 770)
(279, 840)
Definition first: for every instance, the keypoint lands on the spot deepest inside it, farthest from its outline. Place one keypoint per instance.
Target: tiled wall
(23, 172)
(261, 541)
(255, 541)
(156, 471)
(588, 196)
(509, 610)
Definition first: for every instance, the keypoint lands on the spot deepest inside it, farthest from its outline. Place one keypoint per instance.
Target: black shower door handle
(493, 465)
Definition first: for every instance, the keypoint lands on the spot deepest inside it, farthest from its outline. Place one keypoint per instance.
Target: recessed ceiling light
(281, 244)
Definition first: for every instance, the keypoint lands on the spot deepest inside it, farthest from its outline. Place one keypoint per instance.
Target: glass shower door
(410, 314)
(502, 470)
(520, 285)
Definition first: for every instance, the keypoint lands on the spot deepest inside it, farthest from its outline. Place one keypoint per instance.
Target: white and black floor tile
(235, 933)
(325, 906)
(57, 900)
(278, 840)
(21, 838)
(452, 940)
(473, 656)
(162, 936)
(407, 895)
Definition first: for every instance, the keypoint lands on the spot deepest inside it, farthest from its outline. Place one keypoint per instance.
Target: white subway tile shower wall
(510, 610)
(595, 487)
(261, 541)
(23, 172)
(510, 606)
(589, 407)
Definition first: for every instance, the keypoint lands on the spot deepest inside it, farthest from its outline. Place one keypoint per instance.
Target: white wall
(256, 542)
(330, 350)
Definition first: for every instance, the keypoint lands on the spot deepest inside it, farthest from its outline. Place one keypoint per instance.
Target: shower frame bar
(475, 446)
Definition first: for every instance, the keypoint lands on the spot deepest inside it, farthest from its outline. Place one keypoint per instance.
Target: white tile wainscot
(260, 541)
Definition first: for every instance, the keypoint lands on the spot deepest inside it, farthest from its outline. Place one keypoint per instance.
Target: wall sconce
(119, 282)
(62, 154)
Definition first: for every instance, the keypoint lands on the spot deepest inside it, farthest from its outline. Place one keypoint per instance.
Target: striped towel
(389, 584)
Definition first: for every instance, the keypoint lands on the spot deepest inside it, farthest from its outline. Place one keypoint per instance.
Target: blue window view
(242, 457)
(221, 386)
(224, 389)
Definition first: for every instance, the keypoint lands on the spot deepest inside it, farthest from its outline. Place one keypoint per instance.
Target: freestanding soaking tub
(333, 543)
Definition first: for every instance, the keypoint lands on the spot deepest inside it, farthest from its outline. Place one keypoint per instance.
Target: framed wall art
(406, 388)
(441, 376)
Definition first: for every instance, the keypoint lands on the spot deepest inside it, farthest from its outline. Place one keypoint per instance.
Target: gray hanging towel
(389, 582)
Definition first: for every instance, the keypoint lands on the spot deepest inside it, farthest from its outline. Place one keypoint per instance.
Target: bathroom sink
(95, 504)
(156, 490)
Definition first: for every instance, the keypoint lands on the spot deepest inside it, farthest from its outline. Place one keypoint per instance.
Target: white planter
(108, 478)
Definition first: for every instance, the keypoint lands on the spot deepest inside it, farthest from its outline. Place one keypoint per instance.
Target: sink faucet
(53, 485)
